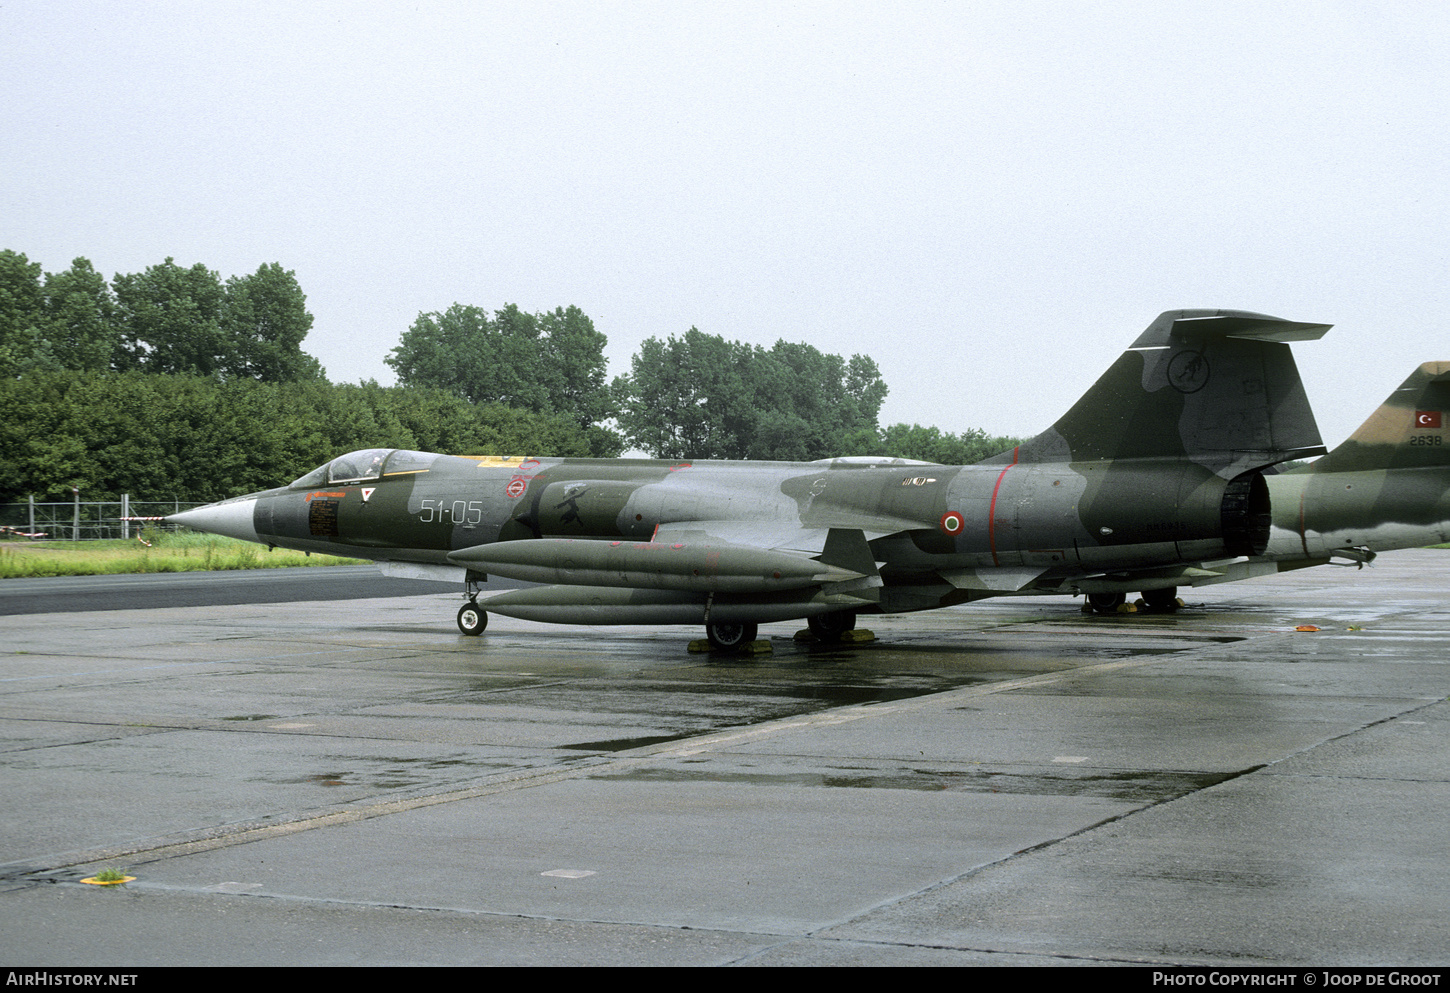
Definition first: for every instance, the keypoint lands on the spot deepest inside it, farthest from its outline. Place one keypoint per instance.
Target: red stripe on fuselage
(992, 510)
(1303, 538)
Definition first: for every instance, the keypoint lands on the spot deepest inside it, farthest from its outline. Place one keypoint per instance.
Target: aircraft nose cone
(232, 518)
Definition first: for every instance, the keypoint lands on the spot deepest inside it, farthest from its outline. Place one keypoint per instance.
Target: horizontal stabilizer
(1227, 324)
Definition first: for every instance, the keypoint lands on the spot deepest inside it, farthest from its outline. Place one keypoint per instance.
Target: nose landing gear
(472, 619)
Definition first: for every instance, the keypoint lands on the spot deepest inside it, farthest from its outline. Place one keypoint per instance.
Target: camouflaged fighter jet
(1160, 476)
(1387, 486)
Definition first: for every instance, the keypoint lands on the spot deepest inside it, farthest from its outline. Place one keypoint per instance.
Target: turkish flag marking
(1427, 418)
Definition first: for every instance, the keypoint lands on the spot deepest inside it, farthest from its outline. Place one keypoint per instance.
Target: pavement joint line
(1040, 846)
(224, 836)
(1085, 829)
(1377, 722)
(778, 939)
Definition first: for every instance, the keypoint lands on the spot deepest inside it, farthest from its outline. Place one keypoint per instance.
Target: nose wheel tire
(471, 619)
(729, 635)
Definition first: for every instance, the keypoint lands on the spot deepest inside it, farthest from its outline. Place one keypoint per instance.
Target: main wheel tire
(1163, 601)
(729, 635)
(1106, 603)
(471, 619)
(829, 627)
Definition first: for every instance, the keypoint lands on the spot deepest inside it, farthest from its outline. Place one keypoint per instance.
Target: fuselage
(937, 534)
(1318, 516)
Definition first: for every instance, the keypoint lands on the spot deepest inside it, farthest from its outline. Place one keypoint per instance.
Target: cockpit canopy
(367, 464)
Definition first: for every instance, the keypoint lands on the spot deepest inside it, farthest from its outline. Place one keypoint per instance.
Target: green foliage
(685, 398)
(82, 333)
(912, 441)
(168, 552)
(264, 319)
(702, 397)
(23, 318)
(194, 438)
(574, 366)
(65, 321)
(164, 320)
(243, 408)
(547, 363)
(170, 320)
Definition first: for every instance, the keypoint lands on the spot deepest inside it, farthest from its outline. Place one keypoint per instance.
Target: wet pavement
(144, 591)
(353, 782)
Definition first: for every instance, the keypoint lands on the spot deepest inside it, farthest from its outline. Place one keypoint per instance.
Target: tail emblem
(1188, 372)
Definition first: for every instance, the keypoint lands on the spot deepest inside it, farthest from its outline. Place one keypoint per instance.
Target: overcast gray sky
(989, 199)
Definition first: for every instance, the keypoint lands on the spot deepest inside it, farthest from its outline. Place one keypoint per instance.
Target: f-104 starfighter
(1161, 476)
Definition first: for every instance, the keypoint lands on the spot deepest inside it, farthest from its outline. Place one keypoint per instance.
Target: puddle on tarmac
(398, 773)
(624, 744)
(785, 690)
(743, 706)
(1135, 787)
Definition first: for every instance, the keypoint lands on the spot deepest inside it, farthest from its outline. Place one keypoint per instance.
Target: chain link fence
(86, 520)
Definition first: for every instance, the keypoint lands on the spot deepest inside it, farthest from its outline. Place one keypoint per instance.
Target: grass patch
(168, 552)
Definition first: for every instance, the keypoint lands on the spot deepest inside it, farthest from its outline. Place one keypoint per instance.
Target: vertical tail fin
(1217, 387)
(1406, 432)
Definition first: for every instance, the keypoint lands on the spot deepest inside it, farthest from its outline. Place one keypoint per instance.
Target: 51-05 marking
(456, 512)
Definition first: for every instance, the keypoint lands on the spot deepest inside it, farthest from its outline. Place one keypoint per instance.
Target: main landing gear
(729, 635)
(1159, 601)
(830, 627)
(1104, 603)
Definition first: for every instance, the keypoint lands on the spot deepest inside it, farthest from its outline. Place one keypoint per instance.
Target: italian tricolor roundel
(952, 523)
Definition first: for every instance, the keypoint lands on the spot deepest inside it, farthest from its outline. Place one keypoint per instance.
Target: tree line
(693, 396)
(175, 382)
(198, 439)
(164, 320)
